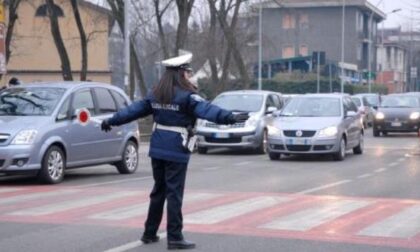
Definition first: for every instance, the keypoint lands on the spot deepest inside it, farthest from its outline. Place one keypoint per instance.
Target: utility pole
(342, 45)
(318, 59)
(126, 43)
(260, 47)
(370, 30)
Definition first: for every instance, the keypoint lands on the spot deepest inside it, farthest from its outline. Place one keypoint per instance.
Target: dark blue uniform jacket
(183, 111)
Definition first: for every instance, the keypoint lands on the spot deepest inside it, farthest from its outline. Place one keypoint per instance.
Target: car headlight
(25, 137)
(252, 122)
(328, 132)
(380, 116)
(273, 131)
(415, 116)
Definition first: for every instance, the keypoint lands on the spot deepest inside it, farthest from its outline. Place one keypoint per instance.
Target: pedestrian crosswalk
(392, 222)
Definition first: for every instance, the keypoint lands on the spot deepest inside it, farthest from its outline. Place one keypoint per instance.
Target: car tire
(375, 132)
(130, 159)
(262, 147)
(202, 150)
(358, 150)
(341, 154)
(53, 166)
(274, 156)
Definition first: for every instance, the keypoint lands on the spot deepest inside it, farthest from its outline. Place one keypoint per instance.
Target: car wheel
(375, 132)
(262, 148)
(341, 154)
(359, 148)
(53, 166)
(130, 159)
(202, 150)
(274, 156)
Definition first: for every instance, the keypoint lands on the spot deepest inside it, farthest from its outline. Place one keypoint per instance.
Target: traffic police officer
(175, 106)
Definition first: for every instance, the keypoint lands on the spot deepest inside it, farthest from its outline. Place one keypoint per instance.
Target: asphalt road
(235, 201)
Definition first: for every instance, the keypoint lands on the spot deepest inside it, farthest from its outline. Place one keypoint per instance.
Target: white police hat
(182, 62)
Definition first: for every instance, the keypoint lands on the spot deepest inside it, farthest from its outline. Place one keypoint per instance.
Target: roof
(362, 4)
(264, 92)
(325, 95)
(68, 84)
(96, 7)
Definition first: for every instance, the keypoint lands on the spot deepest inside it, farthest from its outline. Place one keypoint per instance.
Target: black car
(397, 113)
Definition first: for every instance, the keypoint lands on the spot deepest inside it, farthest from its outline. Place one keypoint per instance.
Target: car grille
(301, 148)
(305, 133)
(4, 138)
(277, 147)
(223, 140)
(217, 126)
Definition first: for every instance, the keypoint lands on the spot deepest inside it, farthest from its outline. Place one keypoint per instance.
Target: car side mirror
(270, 110)
(277, 113)
(351, 114)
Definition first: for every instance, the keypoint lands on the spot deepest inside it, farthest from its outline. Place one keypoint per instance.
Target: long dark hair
(173, 77)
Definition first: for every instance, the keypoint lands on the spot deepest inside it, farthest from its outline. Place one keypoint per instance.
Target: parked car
(39, 132)
(365, 109)
(373, 99)
(316, 124)
(397, 113)
(251, 134)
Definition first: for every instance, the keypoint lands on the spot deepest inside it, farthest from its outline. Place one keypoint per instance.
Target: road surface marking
(72, 204)
(393, 164)
(325, 187)
(132, 245)
(114, 182)
(367, 175)
(313, 217)
(36, 196)
(212, 168)
(405, 224)
(9, 189)
(243, 163)
(380, 170)
(142, 208)
(221, 213)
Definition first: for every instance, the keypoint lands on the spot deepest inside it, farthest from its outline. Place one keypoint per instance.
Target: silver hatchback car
(39, 132)
(316, 124)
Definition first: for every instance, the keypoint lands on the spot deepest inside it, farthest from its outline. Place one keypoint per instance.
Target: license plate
(221, 135)
(299, 141)
(396, 124)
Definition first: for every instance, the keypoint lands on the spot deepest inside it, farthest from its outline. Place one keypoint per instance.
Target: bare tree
(184, 12)
(58, 40)
(83, 39)
(159, 14)
(13, 7)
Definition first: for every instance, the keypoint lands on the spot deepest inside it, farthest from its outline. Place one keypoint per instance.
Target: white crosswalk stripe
(142, 208)
(9, 189)
(309, 218)
(225, 212)
(405, 224)
(36, 196)
(71, 204)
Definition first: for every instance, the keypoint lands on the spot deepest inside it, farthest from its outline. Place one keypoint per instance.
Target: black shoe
(182, 244)
(149, 239)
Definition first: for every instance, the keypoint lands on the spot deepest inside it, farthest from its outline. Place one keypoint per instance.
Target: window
(42, 11)
(359, 52)
(303, 50)
(106, 103)
(288, 21)
(303, 21)
(63, 114)
(83, 99)
(121, 101)
(270, 102)
(288, 52)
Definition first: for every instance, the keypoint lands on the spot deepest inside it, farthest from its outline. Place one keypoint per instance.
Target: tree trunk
(13, 6)
(162, 38)
(138, 71)
(83, 40)
(184, 12)
(212, 45)
(58, 40)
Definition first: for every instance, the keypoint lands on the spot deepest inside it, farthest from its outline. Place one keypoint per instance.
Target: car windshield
(357, 101)
(312, 107)
(400, 102)
(240, 102)
(373, 100)
(31, 101)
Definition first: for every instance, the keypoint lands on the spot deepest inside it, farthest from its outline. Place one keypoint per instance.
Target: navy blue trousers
(169, 185)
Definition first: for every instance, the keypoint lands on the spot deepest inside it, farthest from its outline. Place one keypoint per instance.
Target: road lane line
(71, 204)
(36, 196)
(325, 186)
(9, 189)
(405, 224)
(142, 208)
(133, 245)
(113, 182)
(366, 175)
(315, 216)
(212, 168)
(380, 170)
(221, 213)
(393, 164)
(243, 163)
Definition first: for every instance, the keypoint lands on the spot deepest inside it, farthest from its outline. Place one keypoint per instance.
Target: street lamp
(342, 45)
(126, 43)
(260, 46)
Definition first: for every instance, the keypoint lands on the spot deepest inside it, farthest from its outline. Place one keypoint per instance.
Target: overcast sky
(403, 17)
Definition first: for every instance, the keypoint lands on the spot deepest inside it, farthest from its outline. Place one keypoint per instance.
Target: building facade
(34, 55)
(297, 28)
